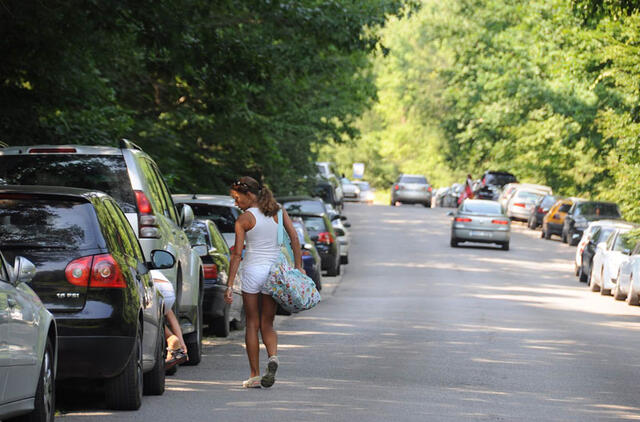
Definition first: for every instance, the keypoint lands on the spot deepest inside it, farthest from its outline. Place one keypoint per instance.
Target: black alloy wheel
(453, 242)
(505, 246)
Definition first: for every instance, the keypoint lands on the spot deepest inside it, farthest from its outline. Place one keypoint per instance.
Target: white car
(628, 271)
(584, 240)
(521, 203)
(366, 192)
(28, 347)
(610, 255)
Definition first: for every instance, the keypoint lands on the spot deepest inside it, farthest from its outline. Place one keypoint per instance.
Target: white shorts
(164, 286)
(254, 278)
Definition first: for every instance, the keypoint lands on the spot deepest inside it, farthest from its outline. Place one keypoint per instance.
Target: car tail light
(540, 210)
(210, 271)
(52, 150)
(105, 272)
(95, 271)
(429, 188)
(326, 237)
(463, 220)
(306, 252)
(147, 220)
(499, 222)
(78, 271)
(396, 187)
(519, 204)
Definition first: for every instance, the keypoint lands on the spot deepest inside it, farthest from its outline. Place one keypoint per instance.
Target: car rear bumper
(93, 356)
(484, 236)
(519, 213)
(412, 196)
(554, 228)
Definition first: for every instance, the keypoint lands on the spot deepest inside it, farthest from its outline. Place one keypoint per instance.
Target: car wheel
(530, 224)
(392, 203)
(453, 242)
(344, 259)
(427, 204)
(239, 324)
(339, 268)
(335, 269)
(124, 392)
(581, 275)
(564, 237)
(194, 340)
(632, 297)
(154, 380)
(318, 280)
(45, 400)
(505, 246)
(221, 324)
(592, 284)
(571, 240)
(617, 294)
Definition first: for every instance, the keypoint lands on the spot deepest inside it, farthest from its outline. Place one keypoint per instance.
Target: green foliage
(211, 90)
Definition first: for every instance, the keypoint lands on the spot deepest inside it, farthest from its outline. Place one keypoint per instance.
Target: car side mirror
(23, 270)
(201, 250)
(575, 236)
(450, 213)
(346, 224)
(343, 218)
(161, 260)
(335, 217)
(186, 216)
(339, 232)
(626, 251)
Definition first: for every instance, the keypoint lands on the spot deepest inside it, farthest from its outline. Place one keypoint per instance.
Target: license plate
(480, 234)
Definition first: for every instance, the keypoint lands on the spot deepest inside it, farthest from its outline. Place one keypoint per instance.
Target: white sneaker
(269, 378)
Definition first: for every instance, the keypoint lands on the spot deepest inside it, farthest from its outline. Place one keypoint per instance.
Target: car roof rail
(4, 145)
(127, 144)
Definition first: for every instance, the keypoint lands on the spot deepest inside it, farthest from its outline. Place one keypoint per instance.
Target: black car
(311, 260)
(493, 182)
(92, 276)
(323, 235)
(330, 190)
(584, 212)
(214, 252)
(539, 210)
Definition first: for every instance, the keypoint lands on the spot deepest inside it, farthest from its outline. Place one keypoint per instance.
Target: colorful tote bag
(289, 287)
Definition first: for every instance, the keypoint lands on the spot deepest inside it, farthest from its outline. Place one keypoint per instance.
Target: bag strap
(280, 228)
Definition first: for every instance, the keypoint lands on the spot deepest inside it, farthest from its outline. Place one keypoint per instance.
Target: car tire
(453, 242)
(617, 294)
(594, 287)
(563, 236)
(45, 399)
(505, 246)
(571, 241)
(220, 326)
(581, 275)
(171, 371)
(632, 299)
(427, 204)
(344, 260)
(124, 392)
(392, 203)
(154, 381)
(239, 324)
(194, 340)
(547, 234)
(318, 281)
(335, 269)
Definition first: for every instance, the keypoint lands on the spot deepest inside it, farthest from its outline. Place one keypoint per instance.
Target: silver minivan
(28, 346)
(133, 179)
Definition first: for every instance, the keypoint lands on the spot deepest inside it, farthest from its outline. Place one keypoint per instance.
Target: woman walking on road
(259, 226)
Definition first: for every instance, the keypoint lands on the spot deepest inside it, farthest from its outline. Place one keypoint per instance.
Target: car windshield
(564, 208)
(488, 207)
(499, 179)
(46, 223)
(197, 233)
(548, 201)
(602, 209)
(363, 185)
(421, 180)
(603, 234)
(627, 240)
(314, 225)
(304, 206)
(224, 217)
(106, 173)
(528, 196)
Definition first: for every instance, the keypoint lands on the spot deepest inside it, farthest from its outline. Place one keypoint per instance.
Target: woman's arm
(293, 237)
(243, 223)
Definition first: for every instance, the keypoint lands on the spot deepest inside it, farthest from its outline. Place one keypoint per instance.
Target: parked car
(497, 179)
(480, 220)
(29, 347)
(596, 232)
(522, 202)
(326, 168)
(366, 191)
(609, 255)
(94, 278)
(303, 204)
(630, 242)
(630, 275)
(539, 210)
(310, 257)
(214, 251)
(506, 193)
(133, 179)
(323, 235)
(411, 189)
(451, 198)
(584, 212)
(440, 195)
(330, 190)
(350, 190)
(553, 221)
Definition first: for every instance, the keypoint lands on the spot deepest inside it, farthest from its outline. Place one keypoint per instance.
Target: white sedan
(610, 255)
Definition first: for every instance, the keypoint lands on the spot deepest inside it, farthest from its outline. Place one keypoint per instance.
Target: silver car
(350, 190)
(28, 346)
(133, 179)
(522, 202)
(411, 189)
(480, 220)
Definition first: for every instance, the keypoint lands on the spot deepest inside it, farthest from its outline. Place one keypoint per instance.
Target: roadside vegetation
(546, 89)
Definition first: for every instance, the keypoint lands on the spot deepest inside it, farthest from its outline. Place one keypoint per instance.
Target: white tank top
(261, 241)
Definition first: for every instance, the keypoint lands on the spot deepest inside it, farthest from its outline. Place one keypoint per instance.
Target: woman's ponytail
(267, 203)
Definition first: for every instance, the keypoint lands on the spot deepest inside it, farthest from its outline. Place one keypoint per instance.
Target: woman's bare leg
(252, 313)
(174, 326)
(269, 335)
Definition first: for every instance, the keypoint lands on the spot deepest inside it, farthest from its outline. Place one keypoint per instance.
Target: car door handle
(11, 302)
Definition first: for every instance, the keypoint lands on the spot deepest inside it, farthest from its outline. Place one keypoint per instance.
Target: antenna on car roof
(127, 144)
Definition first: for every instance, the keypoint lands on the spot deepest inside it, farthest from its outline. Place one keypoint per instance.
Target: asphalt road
(417, 331)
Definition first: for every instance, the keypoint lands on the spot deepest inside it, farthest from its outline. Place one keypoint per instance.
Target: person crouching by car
(467, 193)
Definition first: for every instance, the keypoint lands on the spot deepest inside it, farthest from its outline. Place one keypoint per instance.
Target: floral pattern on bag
(290, 288)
